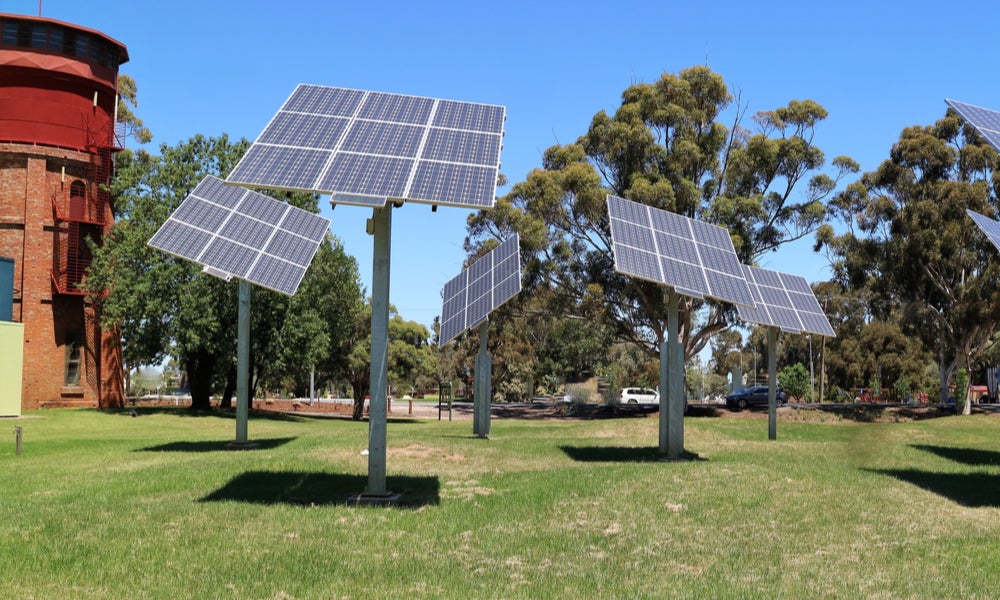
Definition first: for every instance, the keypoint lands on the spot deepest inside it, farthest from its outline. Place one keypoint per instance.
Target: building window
(39, 36)
(10, 34)
(59, 39)
(56, 39)
(72, 371)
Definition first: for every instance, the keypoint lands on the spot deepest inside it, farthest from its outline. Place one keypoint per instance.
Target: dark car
(754, 396)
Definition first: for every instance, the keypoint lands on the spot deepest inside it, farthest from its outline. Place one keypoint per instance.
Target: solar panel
(784, 301)
(695, 258)
(480, 289)
(990, 227)
(364, 148)
(984, 120)
(235, 232)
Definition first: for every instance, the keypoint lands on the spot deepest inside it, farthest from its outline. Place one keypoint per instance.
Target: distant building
(58, 99)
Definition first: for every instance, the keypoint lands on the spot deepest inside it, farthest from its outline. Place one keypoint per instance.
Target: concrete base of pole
(242, 446)
(386, 499)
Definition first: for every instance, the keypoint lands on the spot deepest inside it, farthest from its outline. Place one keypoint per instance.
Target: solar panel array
(984, 120)
(366, 147)
(235, 232)
(990, 227)
(695, 258)
(480, 289)
(785, 301)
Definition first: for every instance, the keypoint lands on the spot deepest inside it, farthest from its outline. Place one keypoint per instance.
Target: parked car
(754, 396)
(635, 395)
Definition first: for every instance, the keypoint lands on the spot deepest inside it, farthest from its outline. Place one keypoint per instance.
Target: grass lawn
(104, 505)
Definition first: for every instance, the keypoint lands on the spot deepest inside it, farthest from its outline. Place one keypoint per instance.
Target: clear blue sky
(216, 67)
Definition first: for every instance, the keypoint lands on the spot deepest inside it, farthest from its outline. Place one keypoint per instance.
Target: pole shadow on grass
(213, 446)
(974, 490)
(966, 456)
(301, 488)
(620, 454)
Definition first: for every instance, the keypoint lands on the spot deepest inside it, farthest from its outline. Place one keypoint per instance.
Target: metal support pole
(483, 385)
(772, 383)
(477, 393)
(812, 375)
(378, 381)
(675, 380)
(17, 440)
(664, 395)
(243, 363)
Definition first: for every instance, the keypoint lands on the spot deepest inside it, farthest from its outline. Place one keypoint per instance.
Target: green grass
(102, 505)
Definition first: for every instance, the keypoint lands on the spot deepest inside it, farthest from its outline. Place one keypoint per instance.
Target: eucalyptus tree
(906, 238)
(664, 146)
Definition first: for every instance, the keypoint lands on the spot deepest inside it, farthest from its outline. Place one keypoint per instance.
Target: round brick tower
(58, 98)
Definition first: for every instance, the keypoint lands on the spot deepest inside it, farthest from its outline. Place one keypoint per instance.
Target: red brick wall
(29, 177)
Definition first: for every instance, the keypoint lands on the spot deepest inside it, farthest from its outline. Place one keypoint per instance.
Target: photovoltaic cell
(324, 100)
(374, 137)
(234, 232)
(315, 131)
(984, 120)
(695, 258)
(367, 147)
(367, 175)
(785, 301)
(478, 290)
(989, 226)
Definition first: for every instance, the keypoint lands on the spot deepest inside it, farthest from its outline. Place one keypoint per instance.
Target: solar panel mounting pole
(378, 379)
(483, 385)
(772, 383)
(242, 370)
(672, 382)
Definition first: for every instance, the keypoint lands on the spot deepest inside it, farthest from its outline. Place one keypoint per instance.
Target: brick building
(58, 98)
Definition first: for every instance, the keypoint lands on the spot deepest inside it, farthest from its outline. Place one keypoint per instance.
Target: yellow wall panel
(11, 368)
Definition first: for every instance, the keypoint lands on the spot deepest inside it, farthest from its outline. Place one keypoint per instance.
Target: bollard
(17, 437)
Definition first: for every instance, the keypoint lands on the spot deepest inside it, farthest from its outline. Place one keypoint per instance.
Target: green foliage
(314, 333)
(795, 380)
(961, 388)
(902, 389)
(909, 244)
(573, 348)
(663, 147)
(835, 394)
(127, 99)
(412, 361)
(864, 346)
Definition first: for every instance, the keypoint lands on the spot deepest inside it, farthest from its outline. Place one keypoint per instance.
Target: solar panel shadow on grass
(305, 489)
(214, 446)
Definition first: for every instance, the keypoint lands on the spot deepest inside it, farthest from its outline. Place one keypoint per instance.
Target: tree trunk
(359, 385)
(226, 401)
(199, 371)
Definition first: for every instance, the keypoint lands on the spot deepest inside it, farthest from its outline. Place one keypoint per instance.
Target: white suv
(634, 395)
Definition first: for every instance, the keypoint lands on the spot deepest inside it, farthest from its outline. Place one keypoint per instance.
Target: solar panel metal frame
(785, 301)
(697, 259)
(990, 227)
(984, 120)
(236, 232)
(365, 148)
(481, 288)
